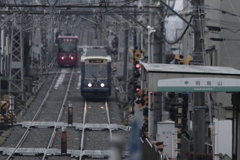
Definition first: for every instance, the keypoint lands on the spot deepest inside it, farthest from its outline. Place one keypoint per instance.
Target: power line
(222, 11)
(233, 9)
(226, 48)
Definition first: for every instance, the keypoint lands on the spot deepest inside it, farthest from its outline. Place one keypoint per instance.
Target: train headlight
(102, 84)
(89, 84)
(71, 57)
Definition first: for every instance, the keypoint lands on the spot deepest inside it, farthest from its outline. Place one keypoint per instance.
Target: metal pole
(126, 38)
(70, 114)
(1, 56)
(64, 140)
(198, 97)
(150, 30)
(51, 34)
(31, 65)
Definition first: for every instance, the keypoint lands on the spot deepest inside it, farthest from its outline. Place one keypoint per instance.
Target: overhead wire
(225, 23)
(222, 11)
(226, 48)
(234, 9)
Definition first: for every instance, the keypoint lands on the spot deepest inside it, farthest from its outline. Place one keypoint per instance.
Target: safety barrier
(151, 151)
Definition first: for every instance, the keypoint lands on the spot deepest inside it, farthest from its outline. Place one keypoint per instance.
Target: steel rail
(83, 130)
(59, 117)
(108, 118)
(33, 119)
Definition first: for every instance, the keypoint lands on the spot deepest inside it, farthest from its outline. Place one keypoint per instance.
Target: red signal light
(138, 65)
(138, 89)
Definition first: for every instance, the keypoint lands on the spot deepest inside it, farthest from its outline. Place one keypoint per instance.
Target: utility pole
(126, 48)
(198, 97)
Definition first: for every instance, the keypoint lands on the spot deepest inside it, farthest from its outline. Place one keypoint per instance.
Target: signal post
(136, 73)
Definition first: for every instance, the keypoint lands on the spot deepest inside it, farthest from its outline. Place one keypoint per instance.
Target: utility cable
(234, 9)
(226, 48)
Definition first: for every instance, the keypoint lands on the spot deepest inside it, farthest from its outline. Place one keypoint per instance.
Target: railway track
(38, 134)
(91, 111)
(26, 137)
(60, 125)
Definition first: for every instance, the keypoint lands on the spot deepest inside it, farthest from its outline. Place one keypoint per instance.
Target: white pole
(150, 30)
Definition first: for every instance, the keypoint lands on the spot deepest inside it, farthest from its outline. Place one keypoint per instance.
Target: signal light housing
(137, 88)
(136, 74)
(137, 65)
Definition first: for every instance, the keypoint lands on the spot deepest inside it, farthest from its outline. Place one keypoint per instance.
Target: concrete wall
(225, 52)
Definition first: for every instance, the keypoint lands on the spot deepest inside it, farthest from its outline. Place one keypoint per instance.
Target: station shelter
(195, 79)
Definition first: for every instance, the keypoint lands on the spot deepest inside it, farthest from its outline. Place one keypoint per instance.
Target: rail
(33, 119)
(84, 127)
(59, 117)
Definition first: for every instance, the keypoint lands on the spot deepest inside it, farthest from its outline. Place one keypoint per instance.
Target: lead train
(96, 75)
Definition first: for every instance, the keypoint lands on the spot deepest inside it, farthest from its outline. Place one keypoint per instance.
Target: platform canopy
(190, 78)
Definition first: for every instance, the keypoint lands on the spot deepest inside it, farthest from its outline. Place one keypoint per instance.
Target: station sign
(199, 84)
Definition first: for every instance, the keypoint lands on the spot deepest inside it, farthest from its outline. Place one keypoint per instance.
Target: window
(95, 71)
(67, 45)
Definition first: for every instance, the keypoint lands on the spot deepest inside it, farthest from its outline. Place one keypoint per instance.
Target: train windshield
(95, 71)
(67, 45)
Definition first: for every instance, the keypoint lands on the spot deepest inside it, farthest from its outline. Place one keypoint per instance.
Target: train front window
(67, 45)
(95, 71)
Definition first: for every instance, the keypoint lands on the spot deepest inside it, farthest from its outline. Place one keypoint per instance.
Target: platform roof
(172, 77)
(174, 68)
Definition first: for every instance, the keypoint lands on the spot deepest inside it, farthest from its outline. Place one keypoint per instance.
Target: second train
(96, 75)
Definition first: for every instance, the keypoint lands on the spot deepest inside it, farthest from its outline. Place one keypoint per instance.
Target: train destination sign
(200, 84)
(95, 61)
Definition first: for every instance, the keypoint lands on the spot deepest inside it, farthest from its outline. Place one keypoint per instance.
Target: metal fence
(185, 147)
(150, 151)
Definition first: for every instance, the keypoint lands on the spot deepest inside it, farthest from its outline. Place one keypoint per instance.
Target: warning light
(137, 88)
(137, 64)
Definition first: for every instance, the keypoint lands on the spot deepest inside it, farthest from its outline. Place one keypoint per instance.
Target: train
(96, 75)
(67, 54)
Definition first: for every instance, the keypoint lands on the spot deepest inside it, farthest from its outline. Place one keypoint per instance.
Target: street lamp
(150, 30)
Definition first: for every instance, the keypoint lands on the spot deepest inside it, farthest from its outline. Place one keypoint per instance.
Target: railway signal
(137, 65)
(137, 55)
(179, 59)
(137, 88)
